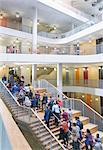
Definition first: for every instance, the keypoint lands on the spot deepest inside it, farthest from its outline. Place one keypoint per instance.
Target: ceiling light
(37, 69)
(55, 69)
(55, 48)
(75, 69)
(96, 99)
(27, 68)
(21, 67)
(83, 69)
(38, 22)
(67, 70)
(1, 16)
(83, 96)
(90, 41)
(45, 68)
(55, 27)
(46, 46)
(17, 15)
(17, 40)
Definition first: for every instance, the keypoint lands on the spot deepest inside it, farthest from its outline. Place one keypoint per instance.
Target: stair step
(92, 127)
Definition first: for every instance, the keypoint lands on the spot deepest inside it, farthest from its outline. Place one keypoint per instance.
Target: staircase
(28, 116)
(35, 121)
(90, 118)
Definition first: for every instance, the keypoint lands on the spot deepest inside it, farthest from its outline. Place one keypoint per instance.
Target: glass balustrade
(84, 83)
(4, 140)
(71, 32)
(21, 27)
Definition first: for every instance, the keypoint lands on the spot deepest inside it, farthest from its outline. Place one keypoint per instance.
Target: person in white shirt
(56, 111)
(27, 102)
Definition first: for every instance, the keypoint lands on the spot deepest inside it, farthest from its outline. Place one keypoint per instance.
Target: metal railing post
(94, 118)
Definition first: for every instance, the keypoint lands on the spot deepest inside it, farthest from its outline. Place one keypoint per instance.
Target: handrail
(36, 116)
(68, 129)
(78, 100)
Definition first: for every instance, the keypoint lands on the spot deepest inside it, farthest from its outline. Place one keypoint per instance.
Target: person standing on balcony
(56, 111)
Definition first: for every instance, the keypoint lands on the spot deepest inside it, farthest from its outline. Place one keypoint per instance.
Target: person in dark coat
(47, 115)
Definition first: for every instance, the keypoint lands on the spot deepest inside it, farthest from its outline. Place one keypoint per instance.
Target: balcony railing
(67, 34)
(21, 27)
(84, 83)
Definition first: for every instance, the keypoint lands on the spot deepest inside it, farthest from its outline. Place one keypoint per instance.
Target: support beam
(34, 33)
(59, 77)
(34, 73)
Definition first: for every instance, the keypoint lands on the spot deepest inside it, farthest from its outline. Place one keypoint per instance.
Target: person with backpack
(51, 102)
(80, 124)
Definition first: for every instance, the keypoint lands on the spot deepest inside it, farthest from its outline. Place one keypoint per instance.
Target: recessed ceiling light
(1, 16)
(55, 27)
(17, 15)
(90, 41)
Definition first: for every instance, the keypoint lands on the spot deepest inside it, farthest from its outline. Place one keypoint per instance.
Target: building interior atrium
(51, 75)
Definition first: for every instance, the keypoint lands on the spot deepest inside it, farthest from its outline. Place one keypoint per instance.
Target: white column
(59, 77)
(34, 33)
(34, 73)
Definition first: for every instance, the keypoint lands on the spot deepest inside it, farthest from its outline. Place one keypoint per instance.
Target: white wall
(51, 59)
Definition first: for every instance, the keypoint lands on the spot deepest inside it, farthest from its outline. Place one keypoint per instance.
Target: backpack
(80, 124)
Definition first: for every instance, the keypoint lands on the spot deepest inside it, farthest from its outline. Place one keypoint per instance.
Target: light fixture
(37, 69)
(83, 96)
(55, 27)
(67, 70)
(46, 46)
(75, 69)
(90, 41)
(17, 15)
(27, 68)
(88, 69)
(16, 68)
(21, 67)
(83, 69)
(99, 67)
(17, 40)
(96, 99)
(55, 69)
(45, 68)
(55, 48)
(38, 22)
(1, 16)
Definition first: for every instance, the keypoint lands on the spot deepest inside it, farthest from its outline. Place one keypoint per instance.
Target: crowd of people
(52, 107)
